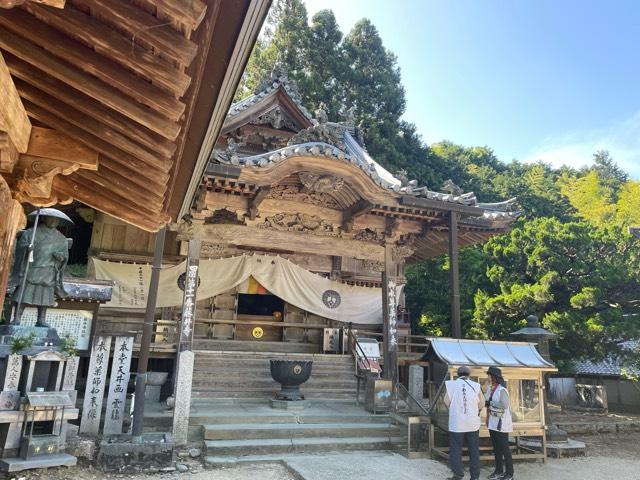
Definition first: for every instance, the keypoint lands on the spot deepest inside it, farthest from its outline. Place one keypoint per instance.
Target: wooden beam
(361, 207)
(240, 235)
(188, 12)
(73, 99)
(86, 83)
(8, 153)
(55, 145)
(13, 117)
(255, 202)
(144, 27)
(88, 61)
(438, 205)
(111, 44)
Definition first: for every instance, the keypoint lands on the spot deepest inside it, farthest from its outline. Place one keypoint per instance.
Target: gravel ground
(608, 456)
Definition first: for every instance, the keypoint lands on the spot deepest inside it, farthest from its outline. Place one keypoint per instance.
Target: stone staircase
(246, 375)
(263, 434)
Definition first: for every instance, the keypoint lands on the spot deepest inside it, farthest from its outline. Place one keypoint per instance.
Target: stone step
(263, 363)
(204, 418)
(231, 461)
(268, 355)
(268, 394)
(241, 346)
(261, 370)
(247, 431)
(343, 382)
(299, 445)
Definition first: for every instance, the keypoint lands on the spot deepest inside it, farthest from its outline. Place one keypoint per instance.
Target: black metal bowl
(290, 374)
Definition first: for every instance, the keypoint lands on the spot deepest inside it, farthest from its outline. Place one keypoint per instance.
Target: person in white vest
(500, 424)
(465, 402)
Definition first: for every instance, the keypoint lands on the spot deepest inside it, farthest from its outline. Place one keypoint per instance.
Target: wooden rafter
(76, 78)
(111, 44)
(143, 27)
(190, 13)
(14, 3)
(75, 100)
(98, 66)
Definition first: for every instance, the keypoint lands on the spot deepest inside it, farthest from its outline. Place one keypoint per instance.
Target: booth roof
(485, 353)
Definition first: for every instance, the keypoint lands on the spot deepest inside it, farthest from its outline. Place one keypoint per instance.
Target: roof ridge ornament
(330, 133)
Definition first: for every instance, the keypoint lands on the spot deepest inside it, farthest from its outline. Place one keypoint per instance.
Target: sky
(551, 80)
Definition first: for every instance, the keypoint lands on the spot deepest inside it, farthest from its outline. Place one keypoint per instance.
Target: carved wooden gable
(264, 121)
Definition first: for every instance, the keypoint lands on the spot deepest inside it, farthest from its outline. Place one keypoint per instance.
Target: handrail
(424, 410)
(438, 393)
(355, 341)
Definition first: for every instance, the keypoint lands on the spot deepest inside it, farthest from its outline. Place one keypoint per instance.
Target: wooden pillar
(454, 275)
(147, 333)
(184, 373)
(389, 315)
(12, 220)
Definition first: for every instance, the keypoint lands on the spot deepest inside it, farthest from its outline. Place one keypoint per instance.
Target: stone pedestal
(44, 336)
(120, 454)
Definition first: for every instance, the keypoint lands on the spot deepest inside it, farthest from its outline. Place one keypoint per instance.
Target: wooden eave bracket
(255, 202)
(361, 207)
(50, 153)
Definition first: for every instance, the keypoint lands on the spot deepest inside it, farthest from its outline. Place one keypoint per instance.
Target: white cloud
(576, 149)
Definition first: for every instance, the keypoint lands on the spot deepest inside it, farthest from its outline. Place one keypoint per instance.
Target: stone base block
(120, 453)
(46, 461)
(152, 393)
(290, 404)
(570, 448)
(81, 447)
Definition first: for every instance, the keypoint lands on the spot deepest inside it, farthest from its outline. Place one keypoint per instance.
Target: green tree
(583, 282)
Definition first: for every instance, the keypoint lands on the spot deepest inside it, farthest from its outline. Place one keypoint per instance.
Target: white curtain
(295, 285)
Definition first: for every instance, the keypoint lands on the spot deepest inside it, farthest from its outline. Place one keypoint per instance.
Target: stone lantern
(534, 333)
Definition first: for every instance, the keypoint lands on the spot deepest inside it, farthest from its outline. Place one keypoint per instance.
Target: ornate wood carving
(277, 119)
(50, 153)
(225, 217)
(372, 265)
(211, 250)
(13, 219)
(300, 222)
(295, 193)
(330, 133)
(321, 183)
(401, 252)
(369, 235)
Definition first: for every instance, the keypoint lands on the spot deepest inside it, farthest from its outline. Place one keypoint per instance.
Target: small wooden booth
(523, 369)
